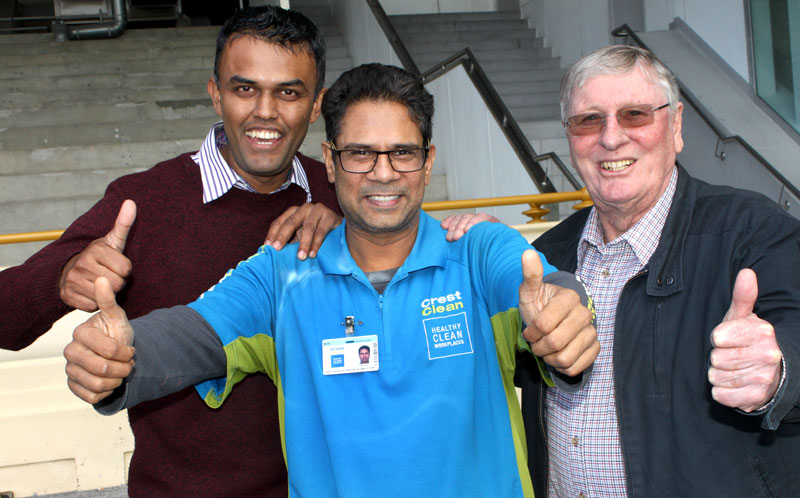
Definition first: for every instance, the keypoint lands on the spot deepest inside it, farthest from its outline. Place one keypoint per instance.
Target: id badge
(350, 355)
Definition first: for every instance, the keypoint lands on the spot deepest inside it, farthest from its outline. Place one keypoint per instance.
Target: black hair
(363, 347)
(378, 82)
(287, 28)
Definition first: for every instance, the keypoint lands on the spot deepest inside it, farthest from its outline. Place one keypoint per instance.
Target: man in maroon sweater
(192, 218)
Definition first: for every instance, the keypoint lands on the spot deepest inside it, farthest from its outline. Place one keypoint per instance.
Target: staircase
(77, 115)
(522, 70)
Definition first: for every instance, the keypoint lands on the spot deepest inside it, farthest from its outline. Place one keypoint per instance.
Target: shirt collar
(218, 178)
(643, 236)
(430, 249)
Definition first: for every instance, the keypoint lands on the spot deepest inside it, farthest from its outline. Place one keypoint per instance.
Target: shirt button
(574, 441)
(669, 280)
(605, 272)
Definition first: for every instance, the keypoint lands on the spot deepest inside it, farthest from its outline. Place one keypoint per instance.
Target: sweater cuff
(43, 290)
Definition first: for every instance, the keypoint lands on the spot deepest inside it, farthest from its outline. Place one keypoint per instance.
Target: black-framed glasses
(405, 160)
(591, 123)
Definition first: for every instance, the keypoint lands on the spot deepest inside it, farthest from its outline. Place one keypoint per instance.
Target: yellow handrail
(535, 201)
(14, 238)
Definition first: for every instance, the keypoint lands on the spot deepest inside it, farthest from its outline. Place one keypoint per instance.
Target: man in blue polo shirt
(433, 412)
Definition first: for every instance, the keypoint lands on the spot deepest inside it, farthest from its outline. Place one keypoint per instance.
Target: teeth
(383, 198)
(616, 165)
(263, 134)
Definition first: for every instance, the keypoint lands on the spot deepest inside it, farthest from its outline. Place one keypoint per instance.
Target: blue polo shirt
(439, 417)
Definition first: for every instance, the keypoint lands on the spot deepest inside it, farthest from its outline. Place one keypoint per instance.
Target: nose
(266, 106)
(612, 135)
(383, 171)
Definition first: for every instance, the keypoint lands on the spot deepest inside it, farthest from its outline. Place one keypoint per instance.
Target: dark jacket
(676, 440)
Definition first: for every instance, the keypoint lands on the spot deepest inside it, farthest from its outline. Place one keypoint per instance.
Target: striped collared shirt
(583, 433)
(219, 178)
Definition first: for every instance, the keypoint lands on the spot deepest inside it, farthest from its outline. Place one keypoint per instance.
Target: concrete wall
(575, 27)
(721, 23)
(471, 148)
(365, 39)
(570, 27)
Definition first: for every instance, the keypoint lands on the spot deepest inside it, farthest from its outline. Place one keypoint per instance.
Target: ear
(213, 92)
(317, 109)
(677, 125)
(429, 162)
(327, 158)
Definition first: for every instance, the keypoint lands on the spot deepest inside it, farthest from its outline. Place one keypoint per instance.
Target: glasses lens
(357, 161)
(634, 117)
(585, 124)
(406, 160)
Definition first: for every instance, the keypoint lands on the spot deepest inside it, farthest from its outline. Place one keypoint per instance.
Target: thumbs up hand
(745, 367)
(100, 355)
(103, 257)
(559, 328)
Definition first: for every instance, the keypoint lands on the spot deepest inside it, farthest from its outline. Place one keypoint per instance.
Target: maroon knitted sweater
(179, 247)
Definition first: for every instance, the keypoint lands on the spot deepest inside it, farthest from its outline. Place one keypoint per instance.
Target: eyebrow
(246, 81)
(242, 79)
(370, 147)
(295, 82)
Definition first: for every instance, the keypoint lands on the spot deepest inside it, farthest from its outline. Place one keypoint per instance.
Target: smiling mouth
(263, 136)
(616, 165)
(383, 198)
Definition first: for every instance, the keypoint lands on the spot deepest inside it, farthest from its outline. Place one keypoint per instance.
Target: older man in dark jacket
(695, 391)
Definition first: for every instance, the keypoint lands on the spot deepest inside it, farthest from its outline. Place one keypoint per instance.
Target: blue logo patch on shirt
(337, 361)
(447, 336)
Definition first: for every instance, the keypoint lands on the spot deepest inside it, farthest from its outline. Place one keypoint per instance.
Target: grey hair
(617, 60)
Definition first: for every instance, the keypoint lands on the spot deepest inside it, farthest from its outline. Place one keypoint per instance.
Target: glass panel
(776, 54)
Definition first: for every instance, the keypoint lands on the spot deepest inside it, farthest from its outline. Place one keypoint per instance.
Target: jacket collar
(430, 249)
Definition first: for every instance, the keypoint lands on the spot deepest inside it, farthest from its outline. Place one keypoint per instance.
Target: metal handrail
(535, 201)
(723, 136)
(512, 131)
(18, 238)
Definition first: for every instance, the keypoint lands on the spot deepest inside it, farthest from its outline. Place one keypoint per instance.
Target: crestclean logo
(441, 304)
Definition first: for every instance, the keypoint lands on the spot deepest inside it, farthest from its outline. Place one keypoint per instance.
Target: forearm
(30, 301)
(175, 348)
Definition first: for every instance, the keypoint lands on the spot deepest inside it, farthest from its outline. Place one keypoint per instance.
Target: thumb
(532, 273)
(118, 235)
(745, 293)
(113, 316)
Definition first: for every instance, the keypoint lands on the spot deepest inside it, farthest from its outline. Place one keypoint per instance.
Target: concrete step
(531, 99)
(34, 216)
(106, 156)
(535, 112)
(91, 134)
(450, 47)
(138, 76)
(178, 62)
(465, 25)
(508, 62)
(416, 19)
(100, 81)
(522, 76)
(471, 36)
(110, 113)
(522, 87)
(131, 50)
(46, 186)
(34, 100)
